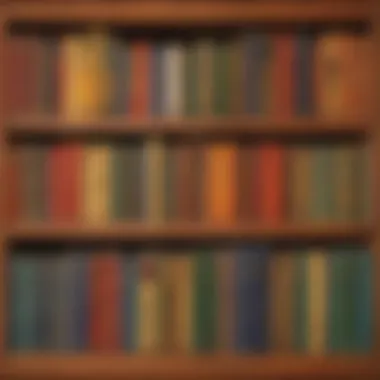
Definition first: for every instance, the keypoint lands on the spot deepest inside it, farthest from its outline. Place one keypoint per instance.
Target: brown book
(281, 291)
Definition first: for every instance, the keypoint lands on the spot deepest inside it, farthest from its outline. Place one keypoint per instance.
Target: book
(219, 182)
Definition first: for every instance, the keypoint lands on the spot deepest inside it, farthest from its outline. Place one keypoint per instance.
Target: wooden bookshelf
(215, 366)
(188, 231)
(188, 13)
(45, 126)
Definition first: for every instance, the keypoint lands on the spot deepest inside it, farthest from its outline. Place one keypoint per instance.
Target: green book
(300, 302)
(322, 204)
(23, 302)
(170, 174)
(221, 77)
(205, 312)
(120, 166)
(191, 79)
(34, 161)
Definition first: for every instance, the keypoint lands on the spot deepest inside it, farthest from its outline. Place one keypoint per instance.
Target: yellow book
(317, 303)
(148, 305)
(335, 69)
(220, 182)
(74, 76)
(154, 161)
(96, 189)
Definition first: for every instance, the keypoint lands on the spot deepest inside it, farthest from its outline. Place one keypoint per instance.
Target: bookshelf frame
(194, 13)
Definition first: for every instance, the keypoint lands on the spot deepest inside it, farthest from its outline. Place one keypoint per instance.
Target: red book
(271, 182)
(139, 104)
(105, 302)
(283, 76)
(65, 161)
(13, 190)
(21, 83)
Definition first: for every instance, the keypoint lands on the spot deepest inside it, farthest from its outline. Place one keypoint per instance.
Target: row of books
(87, 75)
(220, 182)
(250, 298)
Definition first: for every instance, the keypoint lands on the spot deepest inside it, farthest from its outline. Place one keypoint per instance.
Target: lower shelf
(176, 367)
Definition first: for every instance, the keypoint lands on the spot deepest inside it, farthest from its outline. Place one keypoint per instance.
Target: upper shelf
(225, 126)
(185, 12)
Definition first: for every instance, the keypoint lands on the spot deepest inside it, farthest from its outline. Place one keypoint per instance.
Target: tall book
(118, 64)
(105, 302)
(129, 301)
(257, 73)
(271, 182)
(149, 332)
(317, 302)
(153, 180)
(219, 182)
(281, 301)
(304, 73)
(204, 302)
(96, 184)
(283, 76)
(127, 180)
(335, 67)
(23, 302)
(252, 273)
(204, 52)
(138, 101)
(192, 83)
(33, 175)
(174, 79)
(221, 77)
(64, 178)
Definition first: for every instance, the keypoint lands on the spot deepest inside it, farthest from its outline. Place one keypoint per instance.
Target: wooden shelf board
(220, 365)
(186, 231)
(189, 13)
(223, 126)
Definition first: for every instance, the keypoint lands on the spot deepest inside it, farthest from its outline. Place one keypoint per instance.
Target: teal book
(205, 308)
(23, 302)
(363, 296)
(338, 324)
(300, 302)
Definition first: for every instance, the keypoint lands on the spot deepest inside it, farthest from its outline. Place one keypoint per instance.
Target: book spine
(221, 72)
(157, 74)
(205, 327)
(304, 75)
(23, 303)
(205, 92)
(192, 83)
(317, 302)
(281, 301)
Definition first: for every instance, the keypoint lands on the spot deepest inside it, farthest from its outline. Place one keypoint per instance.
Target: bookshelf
(191, 13)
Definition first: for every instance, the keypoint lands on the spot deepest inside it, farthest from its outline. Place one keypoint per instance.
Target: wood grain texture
(191, 13)
(37, 126)
(174, 367)
(187, 231)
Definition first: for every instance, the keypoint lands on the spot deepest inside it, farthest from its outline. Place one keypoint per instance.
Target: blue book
(363, 302)
(257, 56)
(251, 298)
(129, 301)
(157, 79)
(23, 302)
(304, 73)
(81, 301)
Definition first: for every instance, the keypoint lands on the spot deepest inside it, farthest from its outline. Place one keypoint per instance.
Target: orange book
(105, 302)
(138, 98)
(220, 182)
(270, 205)
(283, 76)
(64, 182)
